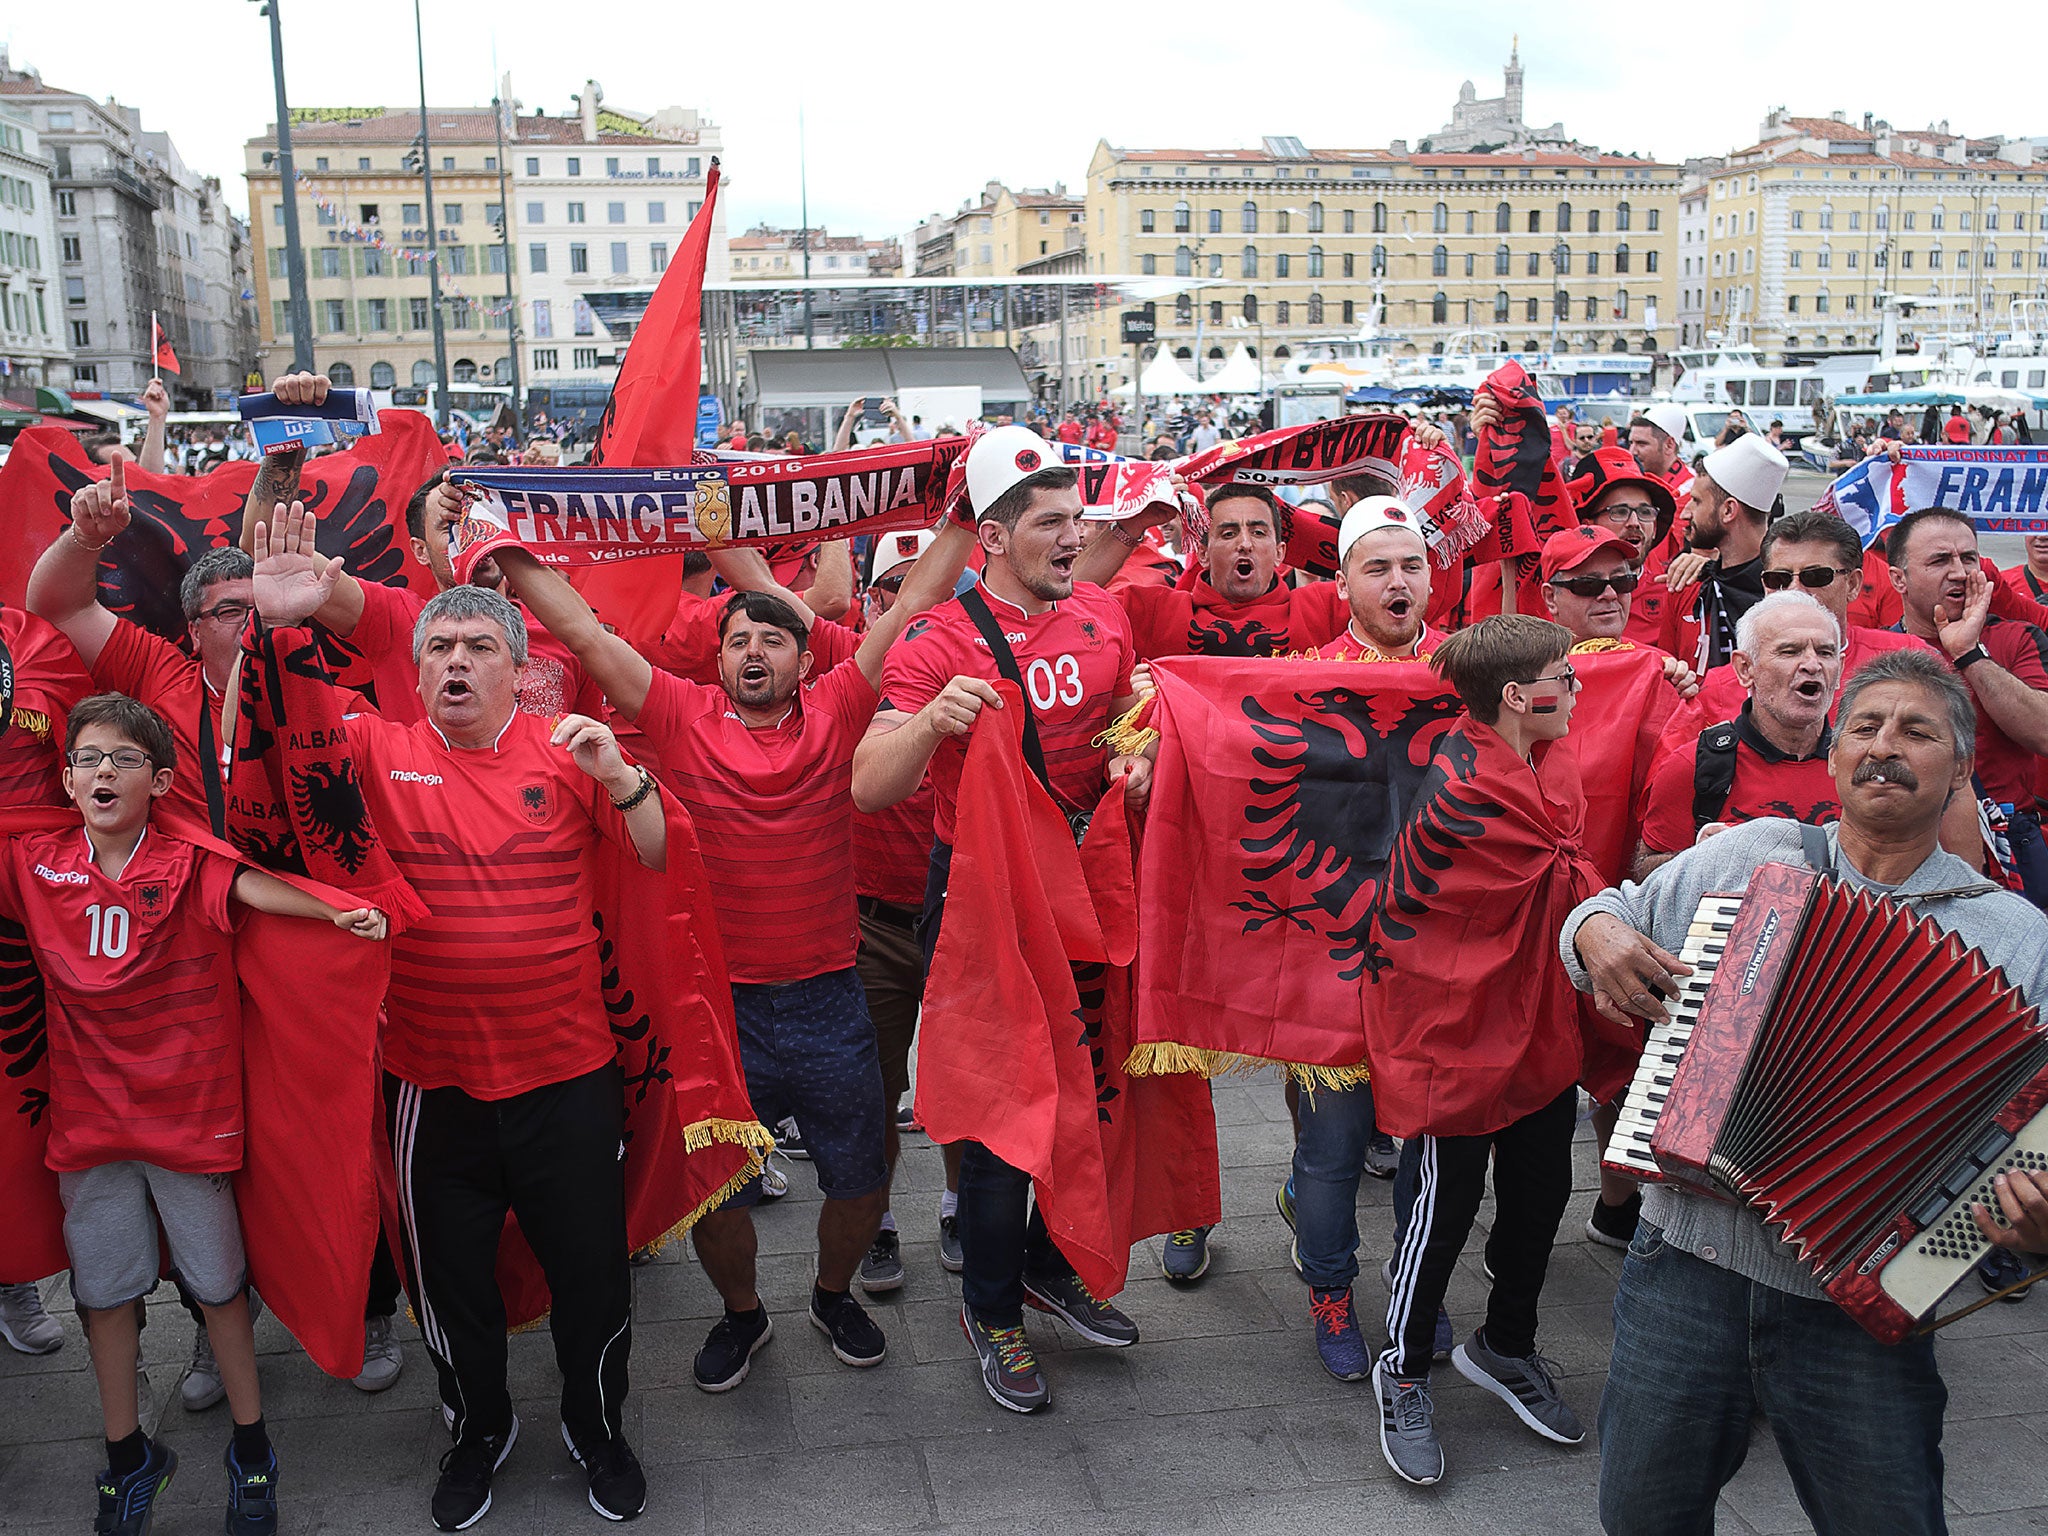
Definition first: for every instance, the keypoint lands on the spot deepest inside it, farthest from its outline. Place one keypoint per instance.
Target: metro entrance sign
(1139, 327)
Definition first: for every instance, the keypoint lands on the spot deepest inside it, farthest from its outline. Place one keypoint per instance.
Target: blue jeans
(1329, 1158)
(999, 1243)
(1698, 1349)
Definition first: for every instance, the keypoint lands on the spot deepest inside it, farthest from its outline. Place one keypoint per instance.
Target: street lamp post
(498, 108)
(433, 248)
(297, 306)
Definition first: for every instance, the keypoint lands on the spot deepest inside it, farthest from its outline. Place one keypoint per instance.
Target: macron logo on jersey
(407, 776)
(62, 876)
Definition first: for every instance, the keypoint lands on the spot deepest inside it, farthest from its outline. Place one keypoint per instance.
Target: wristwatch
(1971, 657)
(1124, 536)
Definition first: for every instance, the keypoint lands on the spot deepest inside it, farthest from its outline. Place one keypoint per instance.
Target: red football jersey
(1648, 601)
(48, 680)
(1348, 647)
(2004, 767)
(774, 816)
(555, 683)
(1076, 660)
(498, 990)
(1200, 621)
(892, 850)
(145, 1028)
(1767, 783)
(689, 646)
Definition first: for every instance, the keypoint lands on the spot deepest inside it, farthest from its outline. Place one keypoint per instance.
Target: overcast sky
(910, 106)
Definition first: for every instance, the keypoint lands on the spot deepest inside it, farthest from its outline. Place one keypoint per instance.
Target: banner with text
(2001, 490)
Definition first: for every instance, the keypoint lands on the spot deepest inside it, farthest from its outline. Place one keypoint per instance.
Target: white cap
(1666, 418)
(1371, 515)
(893, 549)
(1749, 469)
(999, 458)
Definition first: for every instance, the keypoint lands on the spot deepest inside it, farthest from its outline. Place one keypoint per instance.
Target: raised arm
(150, 460)
(622, 672)
(1107, 551)
(746, 570)
(65, 585)
(928, 582)
(277, 472)
(830, 594)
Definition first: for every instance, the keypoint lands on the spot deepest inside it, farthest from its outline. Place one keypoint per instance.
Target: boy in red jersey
(1067, 645)
(130, 926)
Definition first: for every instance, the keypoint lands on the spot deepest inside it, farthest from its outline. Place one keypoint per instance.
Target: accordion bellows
(1854, 1073)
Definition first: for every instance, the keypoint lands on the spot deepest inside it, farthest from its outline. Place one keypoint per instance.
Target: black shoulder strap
(1713, 773)
(1818, 852)
(1006, 663)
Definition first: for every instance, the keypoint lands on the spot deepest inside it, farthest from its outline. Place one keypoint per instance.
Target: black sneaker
(618, 1488)
(951, 1259)
(1067, 1299)
(463, 1496)
(127, 1504)
(906, 1120)
(1009, 1370)
(2000, 1268)
(728, 1351)
(882, 1269)
(252, 1494)
(856, 1339)
(1614, 1226)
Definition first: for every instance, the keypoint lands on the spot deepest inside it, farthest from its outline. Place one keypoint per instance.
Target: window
(1792, 304)
(1248, 217)
(456, 258)
(1183, 310)
(1281, 265)
(451, 213)
(1560, 258)
(1883, 219)
(1535, 222)
(1937, 219)
(1148, 264)
(1281, 224)
(657, 256)
(1820, 307)
(584, 357)
(1379, 261)
(1798, 218)
(1934, 259)
(325, 216)
(1592, 308)
(463, 371)
(409, 215)
(1564, 218)
(1215, 311)
(377, 315)
(1535, 264)
(81, 333)
(1379, 218)
(654, 165)
(1560, 305)
(333, 316)
(1529, 311)
(416, 314)
(447, 162)
(67, 205)
(657, 213)
(1500, 261)
(695, 167)
(74, 290)
(330, 262)
(611, 165)
(366, 213)
(1181, 216)
(1183, 262)
(575, 166)
(1652, 220)
(620, 266)
(1592, 263)
(494, 259)
(536, 258)
(543, 317)
(60, 122)
(1439, 308)
(584, 322)
(1621, 303)
(494, 214)
(1315, 310)
(1251, 306)
(575, 213)
(71, 249)
(1622, 216)
(532, 165)
(615, 213)
(1439, 219)
(1592, 221)
(373, 261)
(1350, 221)
(1503, 221)
(341, 375)
(320, 163)
(544, 360)
(1315, 261)
(423, 372)
(1315, 218)
(1215, 221)
(1248, 262)
(1650, 260)
(579, 258)
(1469, 226)
(1621, 258)
(383, 376)
(1439, 261)
(1145, 221)
(1349, 264)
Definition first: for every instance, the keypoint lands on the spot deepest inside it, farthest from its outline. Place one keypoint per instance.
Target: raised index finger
(119, 480)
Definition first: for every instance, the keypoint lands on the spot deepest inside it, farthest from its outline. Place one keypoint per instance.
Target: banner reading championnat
(594, 516)
(2001, 490)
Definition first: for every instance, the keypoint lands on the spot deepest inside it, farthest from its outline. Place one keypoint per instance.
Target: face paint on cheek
(1543, 706)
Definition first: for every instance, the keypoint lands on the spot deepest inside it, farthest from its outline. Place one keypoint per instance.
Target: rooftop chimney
(587, 102)
(1866, 122)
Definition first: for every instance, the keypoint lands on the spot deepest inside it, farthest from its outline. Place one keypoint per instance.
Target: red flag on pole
(166, 359)
(651, 419)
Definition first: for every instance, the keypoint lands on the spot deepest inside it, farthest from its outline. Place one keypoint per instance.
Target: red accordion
(1852, 1071)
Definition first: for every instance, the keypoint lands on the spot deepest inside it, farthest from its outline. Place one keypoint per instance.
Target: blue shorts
(808, 1050)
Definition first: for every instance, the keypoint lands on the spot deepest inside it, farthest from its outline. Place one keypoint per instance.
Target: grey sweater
(2010, 932)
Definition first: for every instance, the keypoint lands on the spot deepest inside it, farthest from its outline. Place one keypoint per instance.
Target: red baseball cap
(1606, 468)
(1569, 550)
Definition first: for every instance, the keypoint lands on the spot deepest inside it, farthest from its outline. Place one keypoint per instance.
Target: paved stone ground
(1220, 1420)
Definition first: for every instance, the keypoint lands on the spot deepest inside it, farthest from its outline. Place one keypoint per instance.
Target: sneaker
(1009, 1370)
(252, 1494)
(382, 1358)
(1067, 1299)
(882, 1269)
(1338, 1342)
(951, 1259)
(128, 1503)
(463, 1495)
(2000, 1268)
(1440, 1346)
(1408, 1426)
(774, 1176)
(906, 1120)
(618, 1488)
(202, 1386)
(1187, 1256)
(729, 1349)
(1614, 1226)
(856, 1338)
(1382, 1157)
(23, 1322)
(789, 1141)
(1526, 1385)
(640, 1258)
(1285, 1200)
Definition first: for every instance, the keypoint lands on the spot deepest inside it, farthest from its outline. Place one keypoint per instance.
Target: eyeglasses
(1623, 582)
(1812, 577)
(1566, 678)
(127, 759)
(225, 613)
(1631, 512)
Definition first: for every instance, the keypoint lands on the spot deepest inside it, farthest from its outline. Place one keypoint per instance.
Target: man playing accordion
(1715, 1318)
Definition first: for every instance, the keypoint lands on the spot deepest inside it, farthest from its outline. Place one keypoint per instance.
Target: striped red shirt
(689, 646)
(774, 815)
(892, 850)
(145, 1029)
(498, 991)
(1076, 659)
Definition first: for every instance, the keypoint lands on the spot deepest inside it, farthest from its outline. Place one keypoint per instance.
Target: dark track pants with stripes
(1532, 1185)
(552, 1157)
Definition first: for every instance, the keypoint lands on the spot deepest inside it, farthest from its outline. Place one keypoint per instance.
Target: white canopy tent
(1238, 376)
(1164, 376)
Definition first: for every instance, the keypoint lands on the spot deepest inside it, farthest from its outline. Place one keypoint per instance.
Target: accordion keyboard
(1628, 1150)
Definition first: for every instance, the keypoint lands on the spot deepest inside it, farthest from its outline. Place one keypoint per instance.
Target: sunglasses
(886, 584)
(1623, 582)
(1812, 577)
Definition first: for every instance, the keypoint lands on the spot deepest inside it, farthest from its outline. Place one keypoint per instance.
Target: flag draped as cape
(1027, 1019)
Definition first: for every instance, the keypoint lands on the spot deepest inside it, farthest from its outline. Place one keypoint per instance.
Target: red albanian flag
(1027, 1019)
(1514, 472)
(166, 359)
